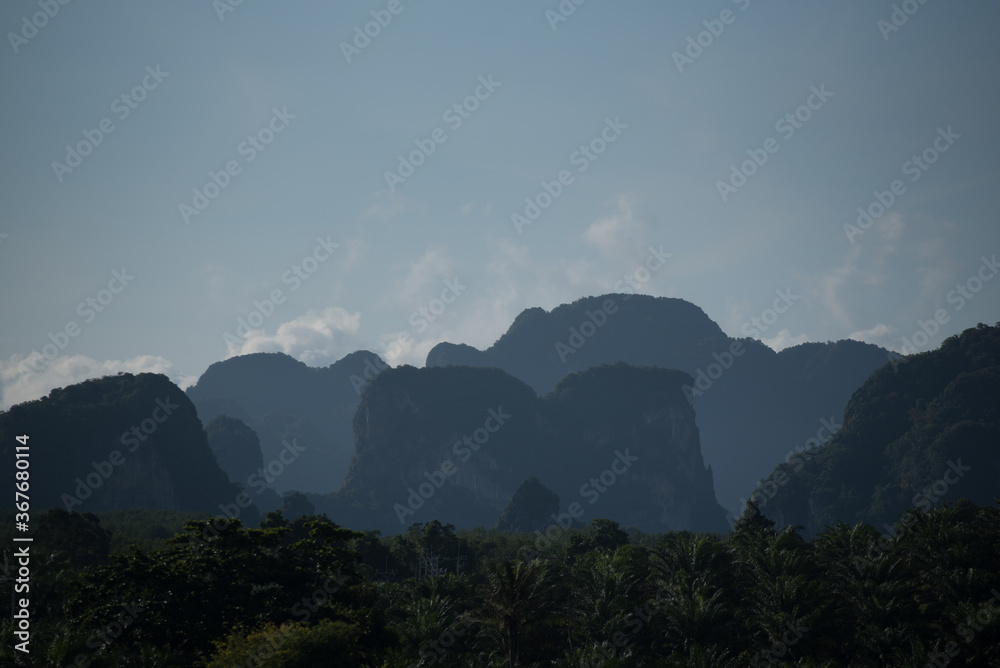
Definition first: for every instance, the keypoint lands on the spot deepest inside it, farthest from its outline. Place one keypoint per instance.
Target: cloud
(864, 266)
(319, 337)
(784, 339)
(354, 253)
(880, 335)
(473, 207)
(19, 383)
(879, 269)
(619, 236)
(423, 279)
(386, 206)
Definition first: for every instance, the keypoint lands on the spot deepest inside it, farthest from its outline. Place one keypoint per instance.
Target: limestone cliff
(455, 443)
(124, 441)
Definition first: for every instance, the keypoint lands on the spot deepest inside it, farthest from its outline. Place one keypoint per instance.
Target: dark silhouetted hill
(750, 406)
(454, 444)
(125, 441)
(530, 509)
(237, 449)
(285, 401)
(923, 433)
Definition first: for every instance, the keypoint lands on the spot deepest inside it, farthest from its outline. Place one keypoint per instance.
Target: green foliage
(311, 593)
(295, 645)
(144, 528)
(904, 433)
(116, 442)
(296, 504)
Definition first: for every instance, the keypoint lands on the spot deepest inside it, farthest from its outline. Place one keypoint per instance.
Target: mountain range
(636, 408)
(752, 404)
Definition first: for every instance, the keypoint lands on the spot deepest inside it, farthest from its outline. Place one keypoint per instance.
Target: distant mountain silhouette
(751, 402)
(237, 449)
(530, 508)
(283, 400)
(916, 434)
(454, 444)
(125, 441)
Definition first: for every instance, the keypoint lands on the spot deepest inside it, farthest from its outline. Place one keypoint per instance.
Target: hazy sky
(141, 103)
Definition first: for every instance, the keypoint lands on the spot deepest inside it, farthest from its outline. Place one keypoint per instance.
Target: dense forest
(311, 593)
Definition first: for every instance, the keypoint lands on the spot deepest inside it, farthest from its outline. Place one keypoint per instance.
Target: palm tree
(873, 591)
(692, 575)
(781, 590)
(517, 595)
(607, 589)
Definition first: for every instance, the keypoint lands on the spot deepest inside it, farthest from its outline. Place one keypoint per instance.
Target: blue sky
(388, 252)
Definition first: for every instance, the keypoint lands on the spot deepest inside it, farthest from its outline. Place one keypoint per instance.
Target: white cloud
(863, 265)
(880, 268)
(386, 205)
(478, 321)
(423, 280)
(784, 339)
(471, 207)
(354, 252)
(19, 383)
(619, 236)
(319, 337)
(881, 335)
